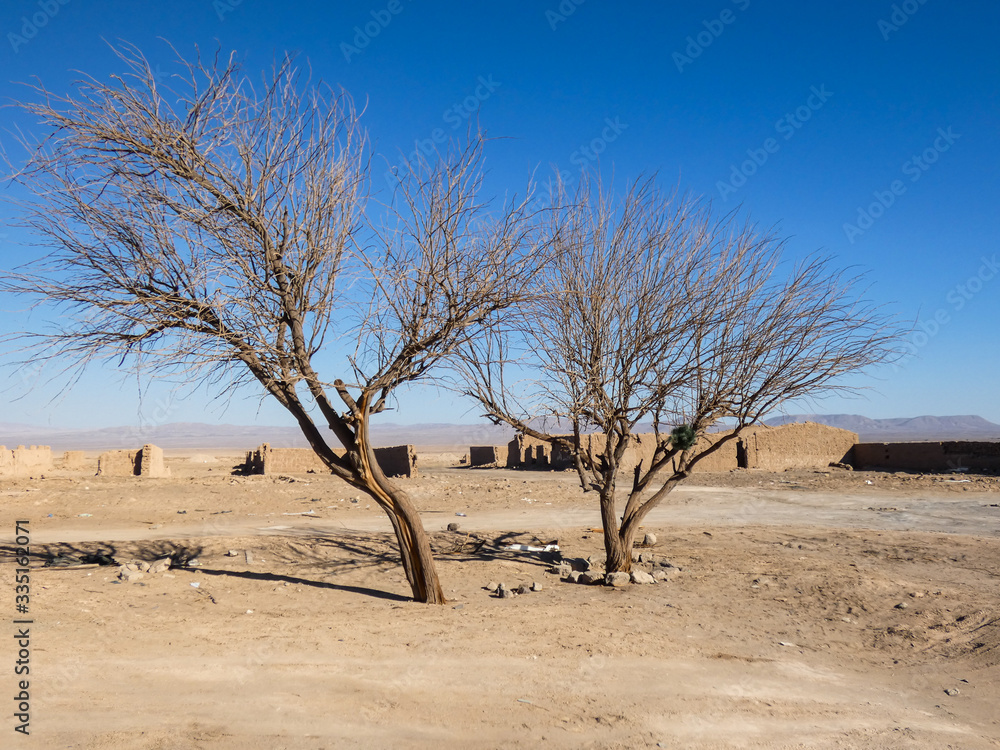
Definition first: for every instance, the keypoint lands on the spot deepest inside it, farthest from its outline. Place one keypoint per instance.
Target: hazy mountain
(193, 436)
(197, 436)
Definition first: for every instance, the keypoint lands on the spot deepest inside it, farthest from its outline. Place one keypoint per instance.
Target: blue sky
(866, 130)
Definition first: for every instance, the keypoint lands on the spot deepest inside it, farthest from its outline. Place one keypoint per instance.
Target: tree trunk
(414, 546)
(619, 557)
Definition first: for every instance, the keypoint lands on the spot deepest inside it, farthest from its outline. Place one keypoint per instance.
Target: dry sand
(814, 609)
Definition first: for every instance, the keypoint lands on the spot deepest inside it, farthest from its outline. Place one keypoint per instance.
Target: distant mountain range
(192, 436)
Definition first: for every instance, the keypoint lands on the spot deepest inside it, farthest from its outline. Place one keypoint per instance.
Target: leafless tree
(655, 310)
(211, 230)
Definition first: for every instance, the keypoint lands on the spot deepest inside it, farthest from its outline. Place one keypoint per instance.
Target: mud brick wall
(21, 461)
(119, 463)
(145, 462)
(723, 458)
(268, 460)
(151, 462)
(794, 446)
(537, 454)
(945, 456)
(397, 461)
(529, 452)
(805, 445)
(487, 455)
(75, 461)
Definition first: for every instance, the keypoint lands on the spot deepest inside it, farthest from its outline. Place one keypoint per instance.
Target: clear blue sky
(812, 116)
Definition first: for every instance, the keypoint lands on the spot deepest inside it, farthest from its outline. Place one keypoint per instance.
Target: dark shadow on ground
(278, 578)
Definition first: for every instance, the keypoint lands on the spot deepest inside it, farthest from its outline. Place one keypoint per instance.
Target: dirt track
(782, 630)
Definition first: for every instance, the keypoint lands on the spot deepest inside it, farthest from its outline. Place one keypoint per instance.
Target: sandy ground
(812, 609)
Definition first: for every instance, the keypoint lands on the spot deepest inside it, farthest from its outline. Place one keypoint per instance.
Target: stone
(523, 589)
(144, 566)
(503, 592)
(562, 570)
(641, 576)
(636, 555)
(574, 576)
(125, 573)
(902, 605)
(618, 578)
(590, 577)
(159, 566)
(232, 553)
(951, 691)
(453, 526)
(492, 586)
(649, 540)
(536, 586)
(661, 575)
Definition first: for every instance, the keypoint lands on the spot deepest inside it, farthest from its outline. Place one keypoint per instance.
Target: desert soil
(827, 609)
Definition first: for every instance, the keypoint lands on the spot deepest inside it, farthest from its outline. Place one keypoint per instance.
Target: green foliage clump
(683, 437)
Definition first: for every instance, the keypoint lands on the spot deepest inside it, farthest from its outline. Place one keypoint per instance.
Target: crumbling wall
(955, 455)
(723, 458)
(529, 452)
(119, 463)
(21, 461)
(268, 460)
(801, 445)
(488, 455)
(74, 461)
(399, 460)
(145, 462)
(151, 462)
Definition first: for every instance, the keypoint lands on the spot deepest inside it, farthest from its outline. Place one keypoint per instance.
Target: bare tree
(654, 310)
(207, 230)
